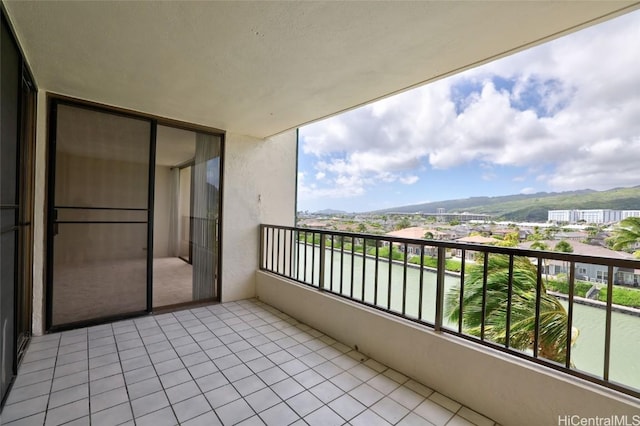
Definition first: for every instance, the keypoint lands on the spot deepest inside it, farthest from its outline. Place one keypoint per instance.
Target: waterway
(388, 290)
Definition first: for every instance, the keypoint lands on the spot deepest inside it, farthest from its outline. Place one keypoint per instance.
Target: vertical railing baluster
(607, 330)
(261, 261)
(463, 258)
(313, 257)
(284, 251)
(341, 263)
(536, 332)
(297, 255)
(404, 279)
(389, 282)
(572, 283)
(442, 254)
(353, 256)
(306, 243)
(277, 267)
(292, 250)
(364, 264)
(269, 248)
(507, 336)
(321, 284)
(331, 260)
(420, 290)
(485, 274)
(375, 278)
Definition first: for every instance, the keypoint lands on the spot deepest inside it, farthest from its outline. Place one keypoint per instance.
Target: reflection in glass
(186, 213)
(100, 212)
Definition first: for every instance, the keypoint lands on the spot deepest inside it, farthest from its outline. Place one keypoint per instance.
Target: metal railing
(377, 271)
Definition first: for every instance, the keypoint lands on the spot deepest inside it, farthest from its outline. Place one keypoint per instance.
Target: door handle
(55, 222)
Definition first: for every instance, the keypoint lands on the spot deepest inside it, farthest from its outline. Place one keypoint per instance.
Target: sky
(561, 116)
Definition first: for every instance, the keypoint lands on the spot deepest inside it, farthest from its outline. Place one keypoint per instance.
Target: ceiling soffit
(260, 68)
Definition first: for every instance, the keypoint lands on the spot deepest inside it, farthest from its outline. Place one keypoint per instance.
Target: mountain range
(531, 207)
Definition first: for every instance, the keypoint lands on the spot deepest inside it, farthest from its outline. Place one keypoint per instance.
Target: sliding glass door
(134, 215)
(99, 222)
(9, 155)
(187, 217)
(17, 123)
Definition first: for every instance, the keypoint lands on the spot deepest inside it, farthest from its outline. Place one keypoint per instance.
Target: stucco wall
(259, 187)
(509, 391)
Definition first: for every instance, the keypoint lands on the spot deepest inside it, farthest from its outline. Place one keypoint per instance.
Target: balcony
(232, 363)
(256, 71)
(397, 313)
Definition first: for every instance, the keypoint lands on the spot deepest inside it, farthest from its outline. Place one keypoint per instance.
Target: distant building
(630, 213)
(569, 216)
(473, 239)
(593, 272)
(591, 216)
(440, 210)
(417, 233)
(448, 217)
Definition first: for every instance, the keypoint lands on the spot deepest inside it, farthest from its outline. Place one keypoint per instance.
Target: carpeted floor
(172, 279)
(94, 290)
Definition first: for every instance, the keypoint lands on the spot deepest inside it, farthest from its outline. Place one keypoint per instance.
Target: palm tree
(627, 234)
(541, 245)
(552, 337)
(564, 247)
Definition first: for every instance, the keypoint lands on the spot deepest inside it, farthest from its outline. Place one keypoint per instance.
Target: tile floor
(234, 363)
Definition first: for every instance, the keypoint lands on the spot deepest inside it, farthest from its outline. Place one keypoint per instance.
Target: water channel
(587, 353)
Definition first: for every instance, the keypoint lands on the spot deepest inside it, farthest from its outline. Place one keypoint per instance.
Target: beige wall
(259, 187)
(509, 391)
(162, 209)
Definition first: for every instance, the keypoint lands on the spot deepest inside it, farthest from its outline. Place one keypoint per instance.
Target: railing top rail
(542, 254)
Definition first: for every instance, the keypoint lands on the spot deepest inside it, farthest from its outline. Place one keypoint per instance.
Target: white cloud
(528, 190)
(409, 180)
(571, 105)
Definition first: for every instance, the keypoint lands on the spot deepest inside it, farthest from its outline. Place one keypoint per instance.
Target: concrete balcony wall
(259, 187)
(510, 391)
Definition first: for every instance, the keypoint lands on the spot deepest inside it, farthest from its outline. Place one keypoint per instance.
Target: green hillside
(533, 207)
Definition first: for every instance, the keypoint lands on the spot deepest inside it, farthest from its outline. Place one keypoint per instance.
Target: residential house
(473, 239)
(592, 271)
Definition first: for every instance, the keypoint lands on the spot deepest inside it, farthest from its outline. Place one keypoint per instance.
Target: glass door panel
(205, 211)
(184, 206)
(186, 217)
(100, 215)
(9, 154)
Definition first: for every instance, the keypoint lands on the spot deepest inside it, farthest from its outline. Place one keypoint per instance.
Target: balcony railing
(475, 292)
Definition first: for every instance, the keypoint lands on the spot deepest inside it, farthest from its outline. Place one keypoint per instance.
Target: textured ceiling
(260, 68)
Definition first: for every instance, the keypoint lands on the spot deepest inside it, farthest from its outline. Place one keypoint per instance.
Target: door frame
(53, 100)
(25, 140)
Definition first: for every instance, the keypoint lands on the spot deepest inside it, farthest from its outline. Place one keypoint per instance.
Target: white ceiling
(260, 68)
(174, 146)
